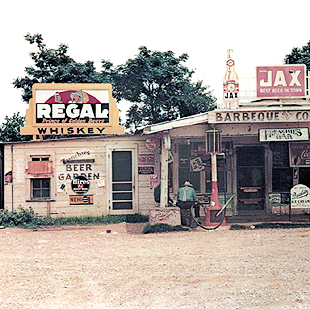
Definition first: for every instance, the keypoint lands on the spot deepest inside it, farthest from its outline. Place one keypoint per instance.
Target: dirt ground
(117, 266)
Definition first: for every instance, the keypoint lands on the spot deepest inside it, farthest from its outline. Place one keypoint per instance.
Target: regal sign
(286, 81)
(72, 109)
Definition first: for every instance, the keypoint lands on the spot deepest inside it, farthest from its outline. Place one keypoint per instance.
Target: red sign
(300, 154)
(152, 143)
(286, 81)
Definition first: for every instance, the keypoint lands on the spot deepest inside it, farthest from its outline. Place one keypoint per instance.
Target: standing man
(185, 198)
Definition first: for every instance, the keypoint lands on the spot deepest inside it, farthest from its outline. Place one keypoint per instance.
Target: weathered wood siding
(18, 193)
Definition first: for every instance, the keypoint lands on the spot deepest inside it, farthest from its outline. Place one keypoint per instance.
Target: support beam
(164, 170)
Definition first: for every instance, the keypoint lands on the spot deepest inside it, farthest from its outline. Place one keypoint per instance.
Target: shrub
(27, 218)
(161, 227)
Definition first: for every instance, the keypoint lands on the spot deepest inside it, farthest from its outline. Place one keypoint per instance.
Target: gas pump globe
(213, 147)
(213, 141)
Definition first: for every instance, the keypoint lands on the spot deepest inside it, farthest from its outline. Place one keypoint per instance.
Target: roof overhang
(178, 123)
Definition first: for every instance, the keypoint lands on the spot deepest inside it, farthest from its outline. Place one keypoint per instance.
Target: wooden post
(164, 170)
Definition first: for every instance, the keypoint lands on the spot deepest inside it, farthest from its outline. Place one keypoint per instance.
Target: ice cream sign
(300, 196)
(286, 81)
(72, 109)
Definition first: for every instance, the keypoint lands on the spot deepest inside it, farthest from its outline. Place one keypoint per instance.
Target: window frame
(40, 157)
(41, 188)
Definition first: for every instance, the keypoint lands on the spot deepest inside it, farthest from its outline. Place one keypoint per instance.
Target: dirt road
(91, 268)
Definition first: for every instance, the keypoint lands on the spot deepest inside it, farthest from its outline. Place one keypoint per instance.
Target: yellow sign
(72, 109)
(81, 199)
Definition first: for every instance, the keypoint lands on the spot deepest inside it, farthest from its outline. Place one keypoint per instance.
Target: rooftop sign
(286, 81)
(72, 109)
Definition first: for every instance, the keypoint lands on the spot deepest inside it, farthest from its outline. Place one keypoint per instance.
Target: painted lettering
(61, 111)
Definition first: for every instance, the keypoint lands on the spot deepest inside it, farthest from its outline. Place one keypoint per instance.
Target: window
(282, 174)
(40, 188)
(40, 158)
(201, 179)
(40, 165)
(185, 172)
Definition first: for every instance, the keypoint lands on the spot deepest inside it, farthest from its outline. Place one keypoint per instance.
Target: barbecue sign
(72, 109)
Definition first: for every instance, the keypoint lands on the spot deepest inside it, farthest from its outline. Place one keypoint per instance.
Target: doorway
(121, 185)
(251, 180)
(304, 176)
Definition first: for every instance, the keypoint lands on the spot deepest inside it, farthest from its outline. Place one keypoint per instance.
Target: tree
(299, 56)
(9, 130)
(55, 66)
(157, 84)
(160, 88)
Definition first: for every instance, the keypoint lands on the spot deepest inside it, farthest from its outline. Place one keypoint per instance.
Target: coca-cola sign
(300, 154)
(286, 81)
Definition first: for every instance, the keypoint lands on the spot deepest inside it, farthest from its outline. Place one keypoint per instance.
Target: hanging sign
(72, 109)
(286, 134)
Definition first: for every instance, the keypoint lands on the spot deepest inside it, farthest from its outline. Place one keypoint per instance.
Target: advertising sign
(80, 184)
(259, 116)
(300, 154)
(72, 109)
(286, 81)
(300, 196)
(286, 134)
(81, 199)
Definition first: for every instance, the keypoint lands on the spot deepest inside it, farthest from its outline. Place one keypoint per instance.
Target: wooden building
(265, 151)
(81, 176)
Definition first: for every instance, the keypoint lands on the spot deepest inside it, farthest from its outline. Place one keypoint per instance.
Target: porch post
(165, 147)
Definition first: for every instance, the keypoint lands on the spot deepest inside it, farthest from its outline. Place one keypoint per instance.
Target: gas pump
(214, 213)
(213, 147)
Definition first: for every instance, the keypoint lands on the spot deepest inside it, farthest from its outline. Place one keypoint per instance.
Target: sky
(259, 32)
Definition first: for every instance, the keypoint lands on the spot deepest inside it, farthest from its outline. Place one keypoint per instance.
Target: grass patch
(238, 227)
(26, 218)
(271, 225)
(162, 228)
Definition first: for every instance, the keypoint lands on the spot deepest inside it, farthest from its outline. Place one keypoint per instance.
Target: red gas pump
(213, 145)
(215, 205)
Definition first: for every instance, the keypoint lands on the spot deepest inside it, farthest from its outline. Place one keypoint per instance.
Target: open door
(251, 180)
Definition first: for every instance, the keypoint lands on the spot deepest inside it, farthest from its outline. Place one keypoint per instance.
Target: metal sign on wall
(285, 134)
(300, 154)
(286, 81)
(300, 196)
(72, 109)
(259, 116)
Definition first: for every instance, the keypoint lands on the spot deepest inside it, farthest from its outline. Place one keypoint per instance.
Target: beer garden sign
(72, 109)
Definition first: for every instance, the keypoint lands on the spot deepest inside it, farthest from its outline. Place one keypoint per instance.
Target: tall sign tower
(230, 84)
